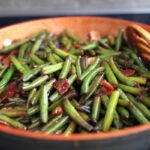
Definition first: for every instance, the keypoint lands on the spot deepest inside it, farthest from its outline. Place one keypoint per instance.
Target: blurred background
(12, 11)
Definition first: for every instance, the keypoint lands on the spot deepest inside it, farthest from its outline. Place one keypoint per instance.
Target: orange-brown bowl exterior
(132, 138)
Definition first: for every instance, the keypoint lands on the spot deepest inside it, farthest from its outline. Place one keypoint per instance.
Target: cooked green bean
(129, 89)
(37, 82)
(49, 69)
(72, 112)
(65, 70)
(123, 112)
(119, 40)
(78, 66)
(119, 75)
(18, 65)
(38, 43)
(89, 69)
(7, 76)
(108, 118)
(70, 129)
(44, 105)
(22, 50)
(36, 59)
(109, 74)
(96, 108)
(90, 46)
(12, 122)
(89, 78)
(57, 125)
(52, 121)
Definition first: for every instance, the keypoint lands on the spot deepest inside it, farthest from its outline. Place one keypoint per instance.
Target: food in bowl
(61, 84)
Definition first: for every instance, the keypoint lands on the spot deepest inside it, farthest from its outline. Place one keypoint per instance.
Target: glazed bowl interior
(80, 26)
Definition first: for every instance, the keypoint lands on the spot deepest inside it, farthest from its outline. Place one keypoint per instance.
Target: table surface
(5, 21)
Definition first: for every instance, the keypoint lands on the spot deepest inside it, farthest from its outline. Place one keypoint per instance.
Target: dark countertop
(144, 18)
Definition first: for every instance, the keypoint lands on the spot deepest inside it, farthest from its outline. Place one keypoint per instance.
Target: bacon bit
(107, 88)
(6, 61)
(4, 123)
(94, 35)
(58, 110)
(64, 48)
(61, 85)
(76, 45)
(128, 72)
(91, 60)
(11, 91)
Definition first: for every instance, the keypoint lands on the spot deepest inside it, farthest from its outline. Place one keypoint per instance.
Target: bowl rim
(75, 137)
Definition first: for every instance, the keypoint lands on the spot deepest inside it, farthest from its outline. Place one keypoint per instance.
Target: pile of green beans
(98, 95)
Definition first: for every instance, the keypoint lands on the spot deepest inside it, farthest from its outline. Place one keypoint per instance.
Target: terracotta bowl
(137, 138)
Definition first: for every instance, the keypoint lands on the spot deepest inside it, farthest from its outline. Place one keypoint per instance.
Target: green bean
(17, 64)
(109, 74)
(49, 69)
(84, 63)
(94, 85)
(123, 103)
(108, 118)
(119, 75)
(37, 82)
(44, 105)
(13, 112)
(78, 66)
(96, 108)
(73, 37)
(57, 58)
(19, 43)
(22, 50)
(37, 44)
(56, 95)
(90, 46)
(30, 74)
(12, 122)
(36, 97)
(129, 89)
(3, 71)
(73, 69)
(138, 61)
(57, 125)
(66, 67)
(87, 80)
(31, 95)
(8, 74)
(119, 40)
(123, 112)
(146, 101)
(139, 116)
(84, 116)
(36, 59)
(64, 54)
(89, 69)
(71, 111)
(60, 52)
(70, 129)
(33, 110)
(34, 125)
(140, 80)
(52, 121)
(51, 58)
(49, 84)
(116, 119)
(140, 106)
